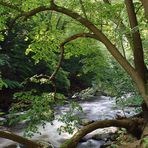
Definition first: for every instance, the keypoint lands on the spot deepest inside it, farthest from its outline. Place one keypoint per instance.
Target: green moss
(66, 143)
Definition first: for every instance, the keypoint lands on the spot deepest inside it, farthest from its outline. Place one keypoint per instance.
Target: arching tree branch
(67, 40)
(73, 37)
(19, 139)
(101, 37)
(126, 123)
(111, 48)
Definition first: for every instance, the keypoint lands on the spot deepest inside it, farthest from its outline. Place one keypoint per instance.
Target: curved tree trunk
(130, 124)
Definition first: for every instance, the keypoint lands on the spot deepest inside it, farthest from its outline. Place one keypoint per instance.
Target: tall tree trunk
(137, 43)
(138, 50)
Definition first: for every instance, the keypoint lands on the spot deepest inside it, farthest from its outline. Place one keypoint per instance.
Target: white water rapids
(97, 109)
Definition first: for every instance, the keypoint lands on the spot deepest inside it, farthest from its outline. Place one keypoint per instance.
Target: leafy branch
(99, 36)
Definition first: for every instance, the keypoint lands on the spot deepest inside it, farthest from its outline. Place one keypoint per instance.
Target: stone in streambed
(104, 136)
(90, 144)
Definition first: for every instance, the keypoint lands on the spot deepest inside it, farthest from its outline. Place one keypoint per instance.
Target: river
(100, 108)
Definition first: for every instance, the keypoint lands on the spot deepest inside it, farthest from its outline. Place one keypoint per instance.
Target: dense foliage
(30, 49)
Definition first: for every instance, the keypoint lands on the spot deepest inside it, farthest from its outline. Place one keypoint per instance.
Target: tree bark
(19, 139)
(137, 42)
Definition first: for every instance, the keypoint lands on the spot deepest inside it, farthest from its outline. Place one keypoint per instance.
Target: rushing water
(97, 109)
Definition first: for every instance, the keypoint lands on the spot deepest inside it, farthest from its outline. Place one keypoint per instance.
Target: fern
(11, 84)
(2, 84)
